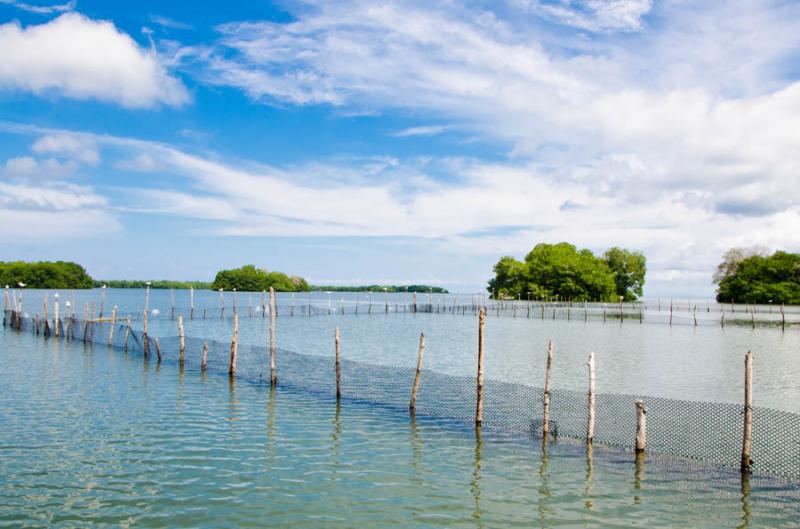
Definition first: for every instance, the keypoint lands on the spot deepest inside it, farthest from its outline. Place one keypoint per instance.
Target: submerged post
(418, 374)
(338, 366)
(479, 400)
(546, 394)
(641, 427)
(234, 345)
(181, 339)
(590, 423)
(747, 438)
(273, 376)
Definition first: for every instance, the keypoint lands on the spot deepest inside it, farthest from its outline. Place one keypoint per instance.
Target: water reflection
(588, 491)
(475, 483)
(638, 477)
(416, 450)
(543, 507)
(745, 500)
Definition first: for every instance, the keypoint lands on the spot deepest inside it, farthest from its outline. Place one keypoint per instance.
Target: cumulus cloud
(26, 167)
(79, 147)
(81, 58)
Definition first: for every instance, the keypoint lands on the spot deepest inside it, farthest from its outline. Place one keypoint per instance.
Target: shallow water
(703, 363)
(92, 437)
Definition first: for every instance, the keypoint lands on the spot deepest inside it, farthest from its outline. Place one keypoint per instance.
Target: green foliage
(551, 270)
(156, 284)
(759, 279)
(629, 269)
(379, 288)
(251, 279)
(45, 274)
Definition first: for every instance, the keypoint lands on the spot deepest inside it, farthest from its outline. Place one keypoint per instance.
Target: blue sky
(361, 142)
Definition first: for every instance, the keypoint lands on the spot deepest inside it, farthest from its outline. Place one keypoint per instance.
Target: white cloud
(80, 58)
(593, 15)
(143, 163)
(425, 130)
(28, 167)
(42, 9)
(79, 147)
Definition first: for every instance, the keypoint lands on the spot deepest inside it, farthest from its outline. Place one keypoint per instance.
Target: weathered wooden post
(102, 300)
(783, 319)
(263, 304)
(204, 358)
(145, 339)
(158, 349)
(273, 376)
(546, 394)
(91, 325)
(221, 304)
(234, 345)
(338, 366)
(191, 303)
(479, 400)
(753, 316)
(85, 322)
(722, 320)
(171, 304)
(694, 313)
(641, 427)
(113, 324)
(414, 302)
(6, 305)
(747, 438)
(46, 326)
(234, 301)
(127, 333)
(670, 312)
(147, 297)
(181, 340)
(590, 423)
(55, 315)
(417, 375)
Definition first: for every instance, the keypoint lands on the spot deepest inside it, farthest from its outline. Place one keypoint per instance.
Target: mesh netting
(705, 431)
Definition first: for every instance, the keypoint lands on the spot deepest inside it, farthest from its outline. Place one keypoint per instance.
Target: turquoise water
(91, 437)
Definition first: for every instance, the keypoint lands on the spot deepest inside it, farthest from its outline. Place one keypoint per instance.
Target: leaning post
(417, 375)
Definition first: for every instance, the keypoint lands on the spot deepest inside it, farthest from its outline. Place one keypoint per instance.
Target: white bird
(155, 312)
(22, 285)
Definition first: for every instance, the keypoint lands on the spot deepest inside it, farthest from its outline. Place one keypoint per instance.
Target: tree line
(44, 274)
(751, 275)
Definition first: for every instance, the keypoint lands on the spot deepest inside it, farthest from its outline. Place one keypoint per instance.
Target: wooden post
(273, 376)
(670, 312)
(55, 315)
(479, 400)
(695, 315)
(46, 326)
(783, 319)
(641, 427)
(158, 350)
(85, 322)
(747, 439)
(171, 304)
(111, 328)
(205, 357)
(417, 375)
(753, 316)
(127, 333)
(263, 305)
(181, 339)
(338, 366)
(147, 297)
(145, 339)
(234, 344)
(102, 300)
(590, 423)
(191, 303)
(546, 394)
(722, 320)
(414, 302)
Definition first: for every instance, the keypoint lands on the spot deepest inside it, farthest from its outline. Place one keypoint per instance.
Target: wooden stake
(191, 303)
(338, 366)
(783, 319)
(127, 333)
(205, 357)
(46, 328)
(747, 438)
(158, 350)
(546, 394)
(171, 304)
(234, 345)
(181, 339)
(111, 328)
(55, 316)
(590, 424)
(418, 374)
(753, 316)
(145, 339)
(695, 315)
(479, 400)
(85, 322)
(273, 376)
(641, 426)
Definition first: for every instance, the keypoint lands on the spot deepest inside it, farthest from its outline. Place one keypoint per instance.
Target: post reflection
(638, 477)
(475, 483)
(589, 503)
(745, 500)
(416, 448)
(544, 486)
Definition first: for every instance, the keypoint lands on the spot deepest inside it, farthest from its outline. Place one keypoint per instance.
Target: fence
(703, 431)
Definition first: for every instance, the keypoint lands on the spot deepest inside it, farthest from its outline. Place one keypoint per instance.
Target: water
(703, 363)
(91, 437)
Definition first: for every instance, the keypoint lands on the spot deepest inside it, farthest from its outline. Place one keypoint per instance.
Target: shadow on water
(745, 500)
(475, 482)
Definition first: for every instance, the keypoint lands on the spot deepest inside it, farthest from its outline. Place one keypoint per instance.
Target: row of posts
(641, 420)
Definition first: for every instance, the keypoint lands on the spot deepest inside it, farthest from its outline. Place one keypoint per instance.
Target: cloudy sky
(363, 141)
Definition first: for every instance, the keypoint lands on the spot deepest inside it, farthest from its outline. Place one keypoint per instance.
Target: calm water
(92, 438)
(680, 361)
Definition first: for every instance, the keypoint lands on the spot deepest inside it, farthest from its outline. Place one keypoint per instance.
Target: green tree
(551, 270)
(251, 279)
(759, 279)
(629, 269)
(45, 274)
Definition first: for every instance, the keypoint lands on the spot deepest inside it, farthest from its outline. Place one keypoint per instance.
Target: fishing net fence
(709, 432)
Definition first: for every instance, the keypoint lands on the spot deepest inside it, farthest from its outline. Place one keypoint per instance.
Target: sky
(356, 142)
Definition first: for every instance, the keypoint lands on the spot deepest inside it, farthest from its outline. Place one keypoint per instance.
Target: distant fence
(703, 431)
